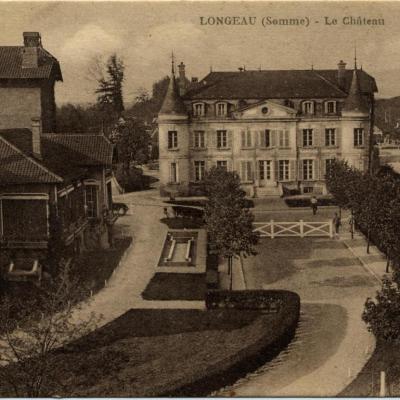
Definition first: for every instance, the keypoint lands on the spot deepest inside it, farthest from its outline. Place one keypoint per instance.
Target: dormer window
(198, 109)
(221, 109)
(330, 107)
(308, 107)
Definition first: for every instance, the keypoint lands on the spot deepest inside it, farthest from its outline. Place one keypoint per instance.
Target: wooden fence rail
(300, 228)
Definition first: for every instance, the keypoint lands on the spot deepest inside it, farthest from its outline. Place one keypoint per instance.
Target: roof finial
(172, 63)
(355, 56)
(210, 68)
(312, 66)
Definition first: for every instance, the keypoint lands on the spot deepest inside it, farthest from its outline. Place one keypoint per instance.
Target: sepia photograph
(199, 199)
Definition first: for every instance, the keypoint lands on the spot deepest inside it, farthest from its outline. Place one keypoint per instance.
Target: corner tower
(173, 138)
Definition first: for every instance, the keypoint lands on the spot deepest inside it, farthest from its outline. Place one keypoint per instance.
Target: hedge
(277, 336)
(305, 202)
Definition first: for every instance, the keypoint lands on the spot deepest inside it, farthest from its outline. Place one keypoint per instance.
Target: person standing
(336, 223)
(314, 204)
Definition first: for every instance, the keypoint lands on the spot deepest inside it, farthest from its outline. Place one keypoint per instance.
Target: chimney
(32, 41)
(36, 132)
(182, 79)
(342, 73)
(195, 79)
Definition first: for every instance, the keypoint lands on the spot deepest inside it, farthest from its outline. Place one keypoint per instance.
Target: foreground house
(277, 129)
(53, 187)
(28, 75)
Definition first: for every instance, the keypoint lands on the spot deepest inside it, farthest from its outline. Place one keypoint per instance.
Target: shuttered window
(246, 171)
(199, 170)
(246, 139)
(330, 137)
(308, 169)
(283, 170)
(307, 137)
(283, 138)
(199, 139)
(222, 139)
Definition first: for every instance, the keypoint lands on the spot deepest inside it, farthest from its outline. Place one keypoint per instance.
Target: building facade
(28, 75)
(279, 130)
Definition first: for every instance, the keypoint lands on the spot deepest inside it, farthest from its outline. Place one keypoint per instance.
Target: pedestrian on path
(336, 223)
(314, 204)
(166, 212)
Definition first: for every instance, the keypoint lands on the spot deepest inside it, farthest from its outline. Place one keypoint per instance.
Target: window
(330, 137)
(307, 137)
(308, 169)
(172, 139)
(198, 109)
(308, 107)
(222, 139)
(246, 171)
(328, 165)
(330, 107)
(246, 139)
(91, 201)
(358, 137)
(221, 109)
(266, 138)
(199, 170)
(173, 173)
(283, 138)
(283, 170)
(222, 164)
(199, 139)
(264, 169)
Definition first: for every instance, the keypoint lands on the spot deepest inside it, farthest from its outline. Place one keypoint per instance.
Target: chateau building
(277, 129)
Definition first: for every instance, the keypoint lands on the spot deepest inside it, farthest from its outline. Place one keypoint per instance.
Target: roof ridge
(15, 148)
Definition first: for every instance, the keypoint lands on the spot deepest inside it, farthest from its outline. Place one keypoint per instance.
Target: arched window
(330, 107)
(198, 109)
(308, 107)
(221, 109)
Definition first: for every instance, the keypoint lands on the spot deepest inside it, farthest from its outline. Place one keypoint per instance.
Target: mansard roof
(277, 84)
(11, 65)
(173, 103)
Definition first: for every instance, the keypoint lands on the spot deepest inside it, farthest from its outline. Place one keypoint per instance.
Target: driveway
(332, 343)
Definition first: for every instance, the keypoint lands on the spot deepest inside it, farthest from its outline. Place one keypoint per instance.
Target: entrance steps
(266, 191)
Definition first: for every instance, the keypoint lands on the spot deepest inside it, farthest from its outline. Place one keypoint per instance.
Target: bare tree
(27, 344)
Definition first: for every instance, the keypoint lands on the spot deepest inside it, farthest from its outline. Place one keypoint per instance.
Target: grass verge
(171, 352)
(386, 357)
(170, 286)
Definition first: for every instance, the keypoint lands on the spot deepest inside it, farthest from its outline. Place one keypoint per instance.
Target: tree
(382, 316)
(27, 343)
(110, 87)
(229, 223)
(132, 142)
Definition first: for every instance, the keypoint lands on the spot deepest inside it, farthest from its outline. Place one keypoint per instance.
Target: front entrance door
(265, 172)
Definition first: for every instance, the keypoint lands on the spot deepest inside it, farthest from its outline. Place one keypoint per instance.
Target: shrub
(382, 316)
(305, 202)
(266, 300)
(133, 180)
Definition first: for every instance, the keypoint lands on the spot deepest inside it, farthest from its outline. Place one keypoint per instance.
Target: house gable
(265, 110)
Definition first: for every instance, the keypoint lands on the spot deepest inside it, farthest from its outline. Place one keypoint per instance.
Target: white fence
(300, 228)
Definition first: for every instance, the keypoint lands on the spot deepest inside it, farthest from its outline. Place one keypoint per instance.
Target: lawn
(92, 268)
(169, 352)
(170, 286)
(386, 357)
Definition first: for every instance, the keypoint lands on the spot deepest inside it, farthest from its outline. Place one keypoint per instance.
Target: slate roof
(65, 155)
(355, 101)
(173, 103)
(11, 65)
(18, 168)
(277, 84)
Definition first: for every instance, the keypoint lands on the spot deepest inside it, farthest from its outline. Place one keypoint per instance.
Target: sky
(145, 33)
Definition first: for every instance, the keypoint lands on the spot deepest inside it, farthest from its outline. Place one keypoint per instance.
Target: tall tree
(132, 142)
(229, 223)
(110, 86)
